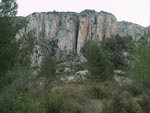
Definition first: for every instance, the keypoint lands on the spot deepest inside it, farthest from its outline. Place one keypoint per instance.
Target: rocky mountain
(68, 31)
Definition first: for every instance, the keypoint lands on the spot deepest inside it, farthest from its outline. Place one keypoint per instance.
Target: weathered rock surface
(130, 29)
(64, 33)
(94, 25)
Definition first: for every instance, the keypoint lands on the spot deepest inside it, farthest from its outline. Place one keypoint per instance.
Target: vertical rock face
(64, 33)
(50, 28)
(86, 23)
(106, 25)
(96, 26)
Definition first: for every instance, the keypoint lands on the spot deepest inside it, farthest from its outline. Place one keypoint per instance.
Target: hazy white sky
(137, 11)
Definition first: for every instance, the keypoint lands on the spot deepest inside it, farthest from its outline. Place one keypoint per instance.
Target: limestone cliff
(130, 29)
(71, 30)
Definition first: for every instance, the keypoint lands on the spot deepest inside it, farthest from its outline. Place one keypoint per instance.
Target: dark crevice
(104, 26)
(76, 36)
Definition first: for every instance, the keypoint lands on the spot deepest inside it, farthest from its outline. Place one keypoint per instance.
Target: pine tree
(97, 62)
(8, 45)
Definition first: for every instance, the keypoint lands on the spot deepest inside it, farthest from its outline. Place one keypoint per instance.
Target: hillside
(67, 62)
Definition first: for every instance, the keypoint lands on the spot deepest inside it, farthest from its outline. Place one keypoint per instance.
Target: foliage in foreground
(145, 103)
(8, 45)
(14, 97)
(19, 96)
(120, 104)
(9, 26)
(57, 103)
(140, 65)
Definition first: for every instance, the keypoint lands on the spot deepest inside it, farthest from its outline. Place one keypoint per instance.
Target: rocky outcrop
(130, 29)
(93, 25)
(65, 33)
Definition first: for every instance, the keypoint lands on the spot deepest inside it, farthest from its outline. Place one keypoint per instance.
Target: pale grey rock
(65, 33)
(106, 25)
(68, 79)
(130, 29)
(95, 26)
(67, 70)
(82, 59)
(81, 75)
(121, 78)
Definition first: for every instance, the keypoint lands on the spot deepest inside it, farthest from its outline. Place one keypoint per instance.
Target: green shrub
(15, 96)
(17, 77)
(135, 89)
(8, 44)
(115, 47)
(7, 101)
(94, 107)
(119, 104)
(140, 64)
(97, 62)
(48, 67)
(26, 104)
(98, 92)
(19, 104)
(145, 103)
(26, 45)
(56, 103)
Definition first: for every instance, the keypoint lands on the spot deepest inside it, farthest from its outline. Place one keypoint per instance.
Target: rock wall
(130, 29)
(71, 30)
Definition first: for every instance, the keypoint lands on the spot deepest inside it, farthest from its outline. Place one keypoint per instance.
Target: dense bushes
(97, 62)
(140, 65)
(20, 104)
(26, 45)
(15, 96)
(8, 45)
(57, 103)
(120, 104)
(19, 97)
(134, 88)
(117, 50)
(98, 92)
(145, 103)
(48, 67)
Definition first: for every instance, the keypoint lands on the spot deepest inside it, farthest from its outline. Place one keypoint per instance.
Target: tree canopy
(8, 46)
(97, 62)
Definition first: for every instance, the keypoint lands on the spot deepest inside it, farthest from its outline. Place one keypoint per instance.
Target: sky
(136, 11)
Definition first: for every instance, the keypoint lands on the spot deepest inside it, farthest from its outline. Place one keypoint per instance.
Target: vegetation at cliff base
(48, 67)
(97, 62)
(140, 64)
(118, 50)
